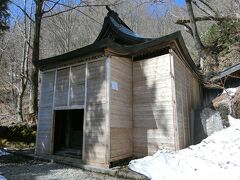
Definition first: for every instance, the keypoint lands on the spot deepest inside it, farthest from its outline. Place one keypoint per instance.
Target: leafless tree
(18, 74)
(43, 9)
(210, 14)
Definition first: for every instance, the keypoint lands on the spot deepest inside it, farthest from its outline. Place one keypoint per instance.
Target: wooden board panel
(152, 105)
(121, 99)
(95, 122)
(77, 85)
(121, 142)
(47, 89)
(62, 87)
(45, 113)
(121, 109)
(187, 97)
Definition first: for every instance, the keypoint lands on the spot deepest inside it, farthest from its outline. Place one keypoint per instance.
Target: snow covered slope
(216, 157)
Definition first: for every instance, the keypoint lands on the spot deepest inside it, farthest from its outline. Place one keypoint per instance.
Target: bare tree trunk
(33, 105)
(20, 108)
(24, 67)
(198, 43)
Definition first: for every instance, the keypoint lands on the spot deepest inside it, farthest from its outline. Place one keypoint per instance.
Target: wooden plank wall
(96, 134)
(152, 106)
(45, 113)
(121, 109)
(62, 85)
(187, 90)
(69, 92)
(77, 85)
(70, 86)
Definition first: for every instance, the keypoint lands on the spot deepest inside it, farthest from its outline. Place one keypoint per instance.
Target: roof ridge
(116, 29)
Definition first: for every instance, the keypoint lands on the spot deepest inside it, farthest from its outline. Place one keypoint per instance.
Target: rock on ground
(227, 103)
(211, 121)
(222, 104)
(236, 104)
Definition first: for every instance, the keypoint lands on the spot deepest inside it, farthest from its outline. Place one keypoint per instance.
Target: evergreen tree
(3, 15)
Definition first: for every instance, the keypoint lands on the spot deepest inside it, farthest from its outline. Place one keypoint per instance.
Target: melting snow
(216, 157)
(2, 177)
(3, 153)
(231, 91)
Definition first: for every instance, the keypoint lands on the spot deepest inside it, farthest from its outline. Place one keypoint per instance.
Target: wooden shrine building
(122, 96)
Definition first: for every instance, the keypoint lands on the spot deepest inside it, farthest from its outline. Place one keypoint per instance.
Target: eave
(136, 52)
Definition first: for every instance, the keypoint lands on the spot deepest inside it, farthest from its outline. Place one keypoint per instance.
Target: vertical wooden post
(69, 84)
(53, 115)
(108, 111)
(175, 120)
(38, 111)
(85, 111)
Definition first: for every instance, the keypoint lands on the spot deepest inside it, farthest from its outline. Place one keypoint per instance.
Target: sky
(180, 2)
(161, 8)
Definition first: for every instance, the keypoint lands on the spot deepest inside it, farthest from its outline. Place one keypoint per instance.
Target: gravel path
(14, 167)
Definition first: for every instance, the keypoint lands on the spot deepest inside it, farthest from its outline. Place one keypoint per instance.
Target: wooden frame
(68, 107)
(39, 102)
(69, 84)
(53, 116)
(108, 117)
(85, 111)
(176, 136)
(186, 68)
(75, 64)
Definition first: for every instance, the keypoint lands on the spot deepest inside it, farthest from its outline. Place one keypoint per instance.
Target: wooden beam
(85, 111)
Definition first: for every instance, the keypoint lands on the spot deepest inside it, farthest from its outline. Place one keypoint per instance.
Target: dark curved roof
(115, 29)
(229, 70)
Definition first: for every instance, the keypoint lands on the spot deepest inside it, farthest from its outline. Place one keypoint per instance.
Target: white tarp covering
(216, 157)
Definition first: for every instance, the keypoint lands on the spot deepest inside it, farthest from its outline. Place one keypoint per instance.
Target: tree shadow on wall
(95, 123)
(150, 110)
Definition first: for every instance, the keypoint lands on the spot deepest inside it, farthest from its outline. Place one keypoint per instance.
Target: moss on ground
(4, 143)
(17, 136)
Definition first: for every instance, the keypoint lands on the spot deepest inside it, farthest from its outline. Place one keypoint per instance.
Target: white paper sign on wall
(114, 85)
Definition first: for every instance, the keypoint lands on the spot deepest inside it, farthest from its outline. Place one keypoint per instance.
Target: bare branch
(75, 7)
(199, 7)
(24, 12)
(206, 18)
(54, 5)
(209, 7)
(10, 84)
(20, 28)
(188, 29)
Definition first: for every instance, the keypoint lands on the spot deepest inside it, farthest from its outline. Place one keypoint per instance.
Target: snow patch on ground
(3, 153)
(2, 177)
(216, 157)
(230, 91)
